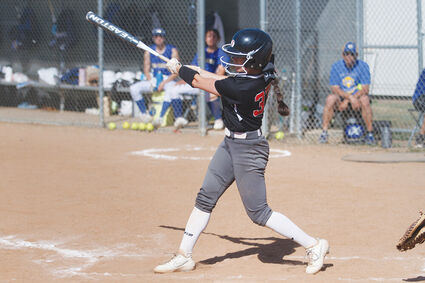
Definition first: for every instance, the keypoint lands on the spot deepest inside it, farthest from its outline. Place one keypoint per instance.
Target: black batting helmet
(253, 44)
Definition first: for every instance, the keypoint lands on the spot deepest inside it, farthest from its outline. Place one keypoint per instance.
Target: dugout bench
(62, 96)
(78, 98)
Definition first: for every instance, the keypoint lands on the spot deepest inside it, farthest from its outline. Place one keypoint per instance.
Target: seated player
(349, 80)
(152, 67)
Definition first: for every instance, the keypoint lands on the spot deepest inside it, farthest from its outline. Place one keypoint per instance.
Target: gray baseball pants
(243, 160)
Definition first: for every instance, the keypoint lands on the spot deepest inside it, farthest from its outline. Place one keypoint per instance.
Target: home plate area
(190, 152)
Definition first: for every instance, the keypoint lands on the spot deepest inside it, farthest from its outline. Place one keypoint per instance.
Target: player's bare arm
(348, 98)
(147, 65)
(363, 91)
(207, 74)
(205, 83)
(192, 75)
(338, 91)
(220, 70)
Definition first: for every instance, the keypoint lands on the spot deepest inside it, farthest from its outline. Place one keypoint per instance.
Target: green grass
(395, 111)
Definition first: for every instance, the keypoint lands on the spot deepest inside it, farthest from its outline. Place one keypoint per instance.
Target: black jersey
(243, 99)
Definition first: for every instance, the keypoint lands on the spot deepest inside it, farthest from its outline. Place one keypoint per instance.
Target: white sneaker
(146, 118)
(177, 263)
(218, 124)
(180, 122)
(158, 122)
(316, 255)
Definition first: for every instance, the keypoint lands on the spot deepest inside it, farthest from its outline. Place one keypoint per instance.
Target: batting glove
(173, 64)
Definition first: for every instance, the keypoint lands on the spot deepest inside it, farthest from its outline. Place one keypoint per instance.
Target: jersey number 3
(261, 99)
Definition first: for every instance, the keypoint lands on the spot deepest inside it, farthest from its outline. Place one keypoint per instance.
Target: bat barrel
(113, 29)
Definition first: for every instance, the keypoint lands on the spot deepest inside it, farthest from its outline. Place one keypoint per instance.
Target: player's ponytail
(282, 108)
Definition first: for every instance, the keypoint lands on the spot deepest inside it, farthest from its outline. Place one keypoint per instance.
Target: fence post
(201, 62)
(100, 57)
(298, 67)
(419, 23)
(359, 28)
(263, 26)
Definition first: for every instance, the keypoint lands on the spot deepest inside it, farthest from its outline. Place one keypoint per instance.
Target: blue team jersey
(348, 79)
(159, 65)
(212, 60)
(420, 87)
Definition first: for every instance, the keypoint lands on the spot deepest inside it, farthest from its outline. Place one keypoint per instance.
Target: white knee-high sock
(284, 226)
(197, 222)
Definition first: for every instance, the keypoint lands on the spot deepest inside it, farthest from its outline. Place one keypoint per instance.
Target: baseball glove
(415, 234)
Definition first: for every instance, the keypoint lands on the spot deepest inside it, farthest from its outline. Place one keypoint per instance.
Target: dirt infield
(82, 205)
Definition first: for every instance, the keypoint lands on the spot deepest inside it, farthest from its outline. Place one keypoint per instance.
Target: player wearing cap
(349, 81)
(153, 68)
(244, 152)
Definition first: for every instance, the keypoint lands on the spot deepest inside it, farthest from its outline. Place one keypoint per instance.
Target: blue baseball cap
(350, 47)
(158, 31)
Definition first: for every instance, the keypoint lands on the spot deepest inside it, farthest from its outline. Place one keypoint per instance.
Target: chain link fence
(50, 60)
(309, 37)
(43, 45)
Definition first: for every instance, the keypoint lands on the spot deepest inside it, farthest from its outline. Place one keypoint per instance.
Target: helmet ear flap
(250, 60)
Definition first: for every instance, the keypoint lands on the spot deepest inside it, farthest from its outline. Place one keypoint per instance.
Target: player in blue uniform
(154, 70)
(418, 100)
(243, 154)
(349, 81)
(213, 65)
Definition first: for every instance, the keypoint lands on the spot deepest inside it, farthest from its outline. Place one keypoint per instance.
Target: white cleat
(218, 124)
(316, 255)
(146, 118)
(180, 122)
(177, 263)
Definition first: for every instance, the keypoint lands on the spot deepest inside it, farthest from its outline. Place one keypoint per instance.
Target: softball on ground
(149, 127)
(279, 135)
(134, 126)
(126, 125)
(142, 126)
(112, 126)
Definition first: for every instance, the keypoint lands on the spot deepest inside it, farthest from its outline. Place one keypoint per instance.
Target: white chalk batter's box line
(90, 257)
(77, 260)
(161, 153)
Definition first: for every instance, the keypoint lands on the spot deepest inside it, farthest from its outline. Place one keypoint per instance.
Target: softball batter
(243, 154)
